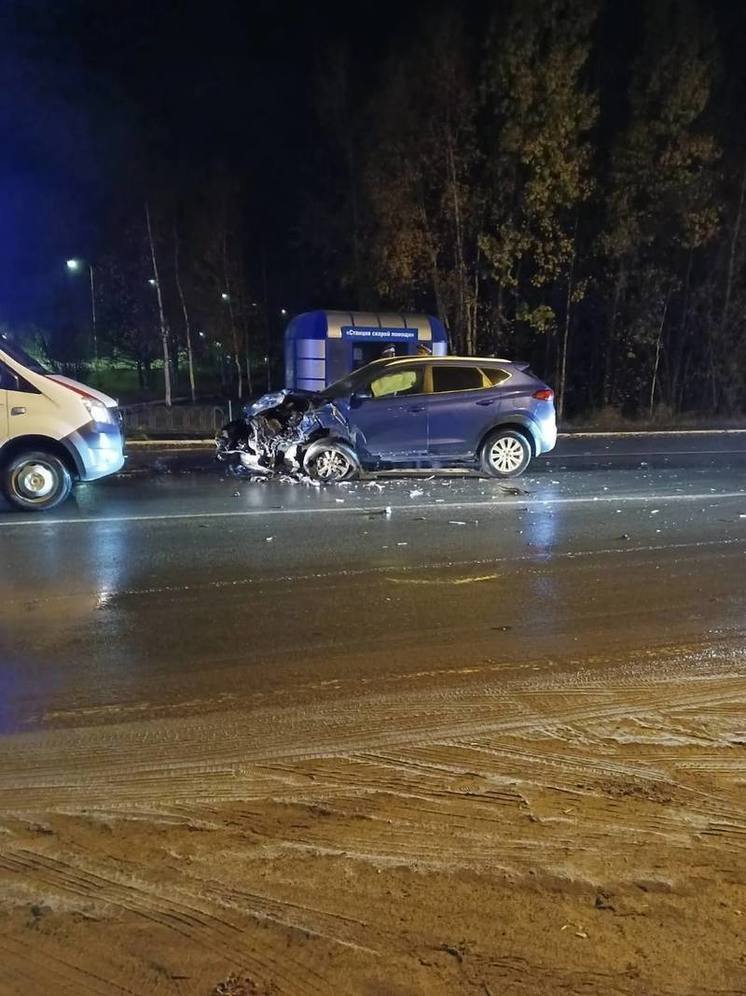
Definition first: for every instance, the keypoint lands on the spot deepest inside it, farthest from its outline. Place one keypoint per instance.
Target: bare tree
(228, 293)
(161, 313)
(185, 311)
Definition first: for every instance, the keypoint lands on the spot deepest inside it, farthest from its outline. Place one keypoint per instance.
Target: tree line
(562, 181)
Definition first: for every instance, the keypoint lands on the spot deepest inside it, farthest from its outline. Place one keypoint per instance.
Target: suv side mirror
(357, 397)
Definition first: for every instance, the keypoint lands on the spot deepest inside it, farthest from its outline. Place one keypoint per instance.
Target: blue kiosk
(323, 346)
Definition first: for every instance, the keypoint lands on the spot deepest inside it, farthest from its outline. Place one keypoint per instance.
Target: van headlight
(97, 411)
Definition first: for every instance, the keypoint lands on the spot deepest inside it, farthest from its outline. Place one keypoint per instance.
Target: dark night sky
(81, 82)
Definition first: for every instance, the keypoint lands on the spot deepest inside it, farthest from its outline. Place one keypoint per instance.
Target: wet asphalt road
(173, 589)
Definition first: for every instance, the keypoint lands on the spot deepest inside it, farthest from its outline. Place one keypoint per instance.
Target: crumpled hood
(274, 432)
(276, 398)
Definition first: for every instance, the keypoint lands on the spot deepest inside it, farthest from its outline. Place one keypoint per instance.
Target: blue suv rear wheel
(505, 453)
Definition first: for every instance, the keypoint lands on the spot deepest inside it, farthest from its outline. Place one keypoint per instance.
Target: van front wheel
(35, 482)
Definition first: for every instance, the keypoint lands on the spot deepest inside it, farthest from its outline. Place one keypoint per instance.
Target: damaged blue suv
(414, 411)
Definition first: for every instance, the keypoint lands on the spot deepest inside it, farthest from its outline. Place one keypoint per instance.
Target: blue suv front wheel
(505, 453)
(330, 461)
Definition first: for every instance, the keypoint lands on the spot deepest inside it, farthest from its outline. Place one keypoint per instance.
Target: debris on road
(514, 492)
(417, 493)
(455, 952)
(243, 985)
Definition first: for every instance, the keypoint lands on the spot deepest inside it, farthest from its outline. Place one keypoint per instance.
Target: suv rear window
(495, 376)
(457, 379)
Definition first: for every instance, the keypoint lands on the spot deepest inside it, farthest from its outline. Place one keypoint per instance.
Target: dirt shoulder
(469, 832)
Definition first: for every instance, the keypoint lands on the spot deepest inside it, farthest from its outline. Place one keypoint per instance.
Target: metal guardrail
(188, 420)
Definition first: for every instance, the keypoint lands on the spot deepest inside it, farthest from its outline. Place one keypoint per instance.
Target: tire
(505, 453)
(329, 465)
(36, 481)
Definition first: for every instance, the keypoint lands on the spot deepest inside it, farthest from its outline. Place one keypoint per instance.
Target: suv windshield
(15, 352)
(347, 385)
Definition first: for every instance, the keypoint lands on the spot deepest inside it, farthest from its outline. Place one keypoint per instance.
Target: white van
(53, 431)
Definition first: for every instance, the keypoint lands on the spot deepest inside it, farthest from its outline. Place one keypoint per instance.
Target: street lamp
(75, 266)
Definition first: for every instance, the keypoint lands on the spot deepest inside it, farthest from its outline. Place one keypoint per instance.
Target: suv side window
(397, 382)
(447, 378)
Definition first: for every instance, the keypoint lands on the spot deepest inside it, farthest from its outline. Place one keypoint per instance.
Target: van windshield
(15, 352)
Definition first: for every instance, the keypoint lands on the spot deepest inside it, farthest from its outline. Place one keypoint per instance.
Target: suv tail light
(543, 395)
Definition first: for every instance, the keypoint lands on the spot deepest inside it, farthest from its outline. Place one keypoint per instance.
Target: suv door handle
(17, 411)
(416, 408)
(487, 401)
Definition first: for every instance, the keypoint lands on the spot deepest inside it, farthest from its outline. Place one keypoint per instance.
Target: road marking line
(542, 559)
(497, 504)
(448, 581)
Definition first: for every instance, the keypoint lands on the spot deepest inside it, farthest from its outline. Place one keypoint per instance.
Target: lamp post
(75, 266)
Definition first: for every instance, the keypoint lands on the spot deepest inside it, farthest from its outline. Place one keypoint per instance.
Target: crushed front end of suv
(294, 433)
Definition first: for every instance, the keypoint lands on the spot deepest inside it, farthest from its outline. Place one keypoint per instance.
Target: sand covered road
(275, 742)
(568, 826)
